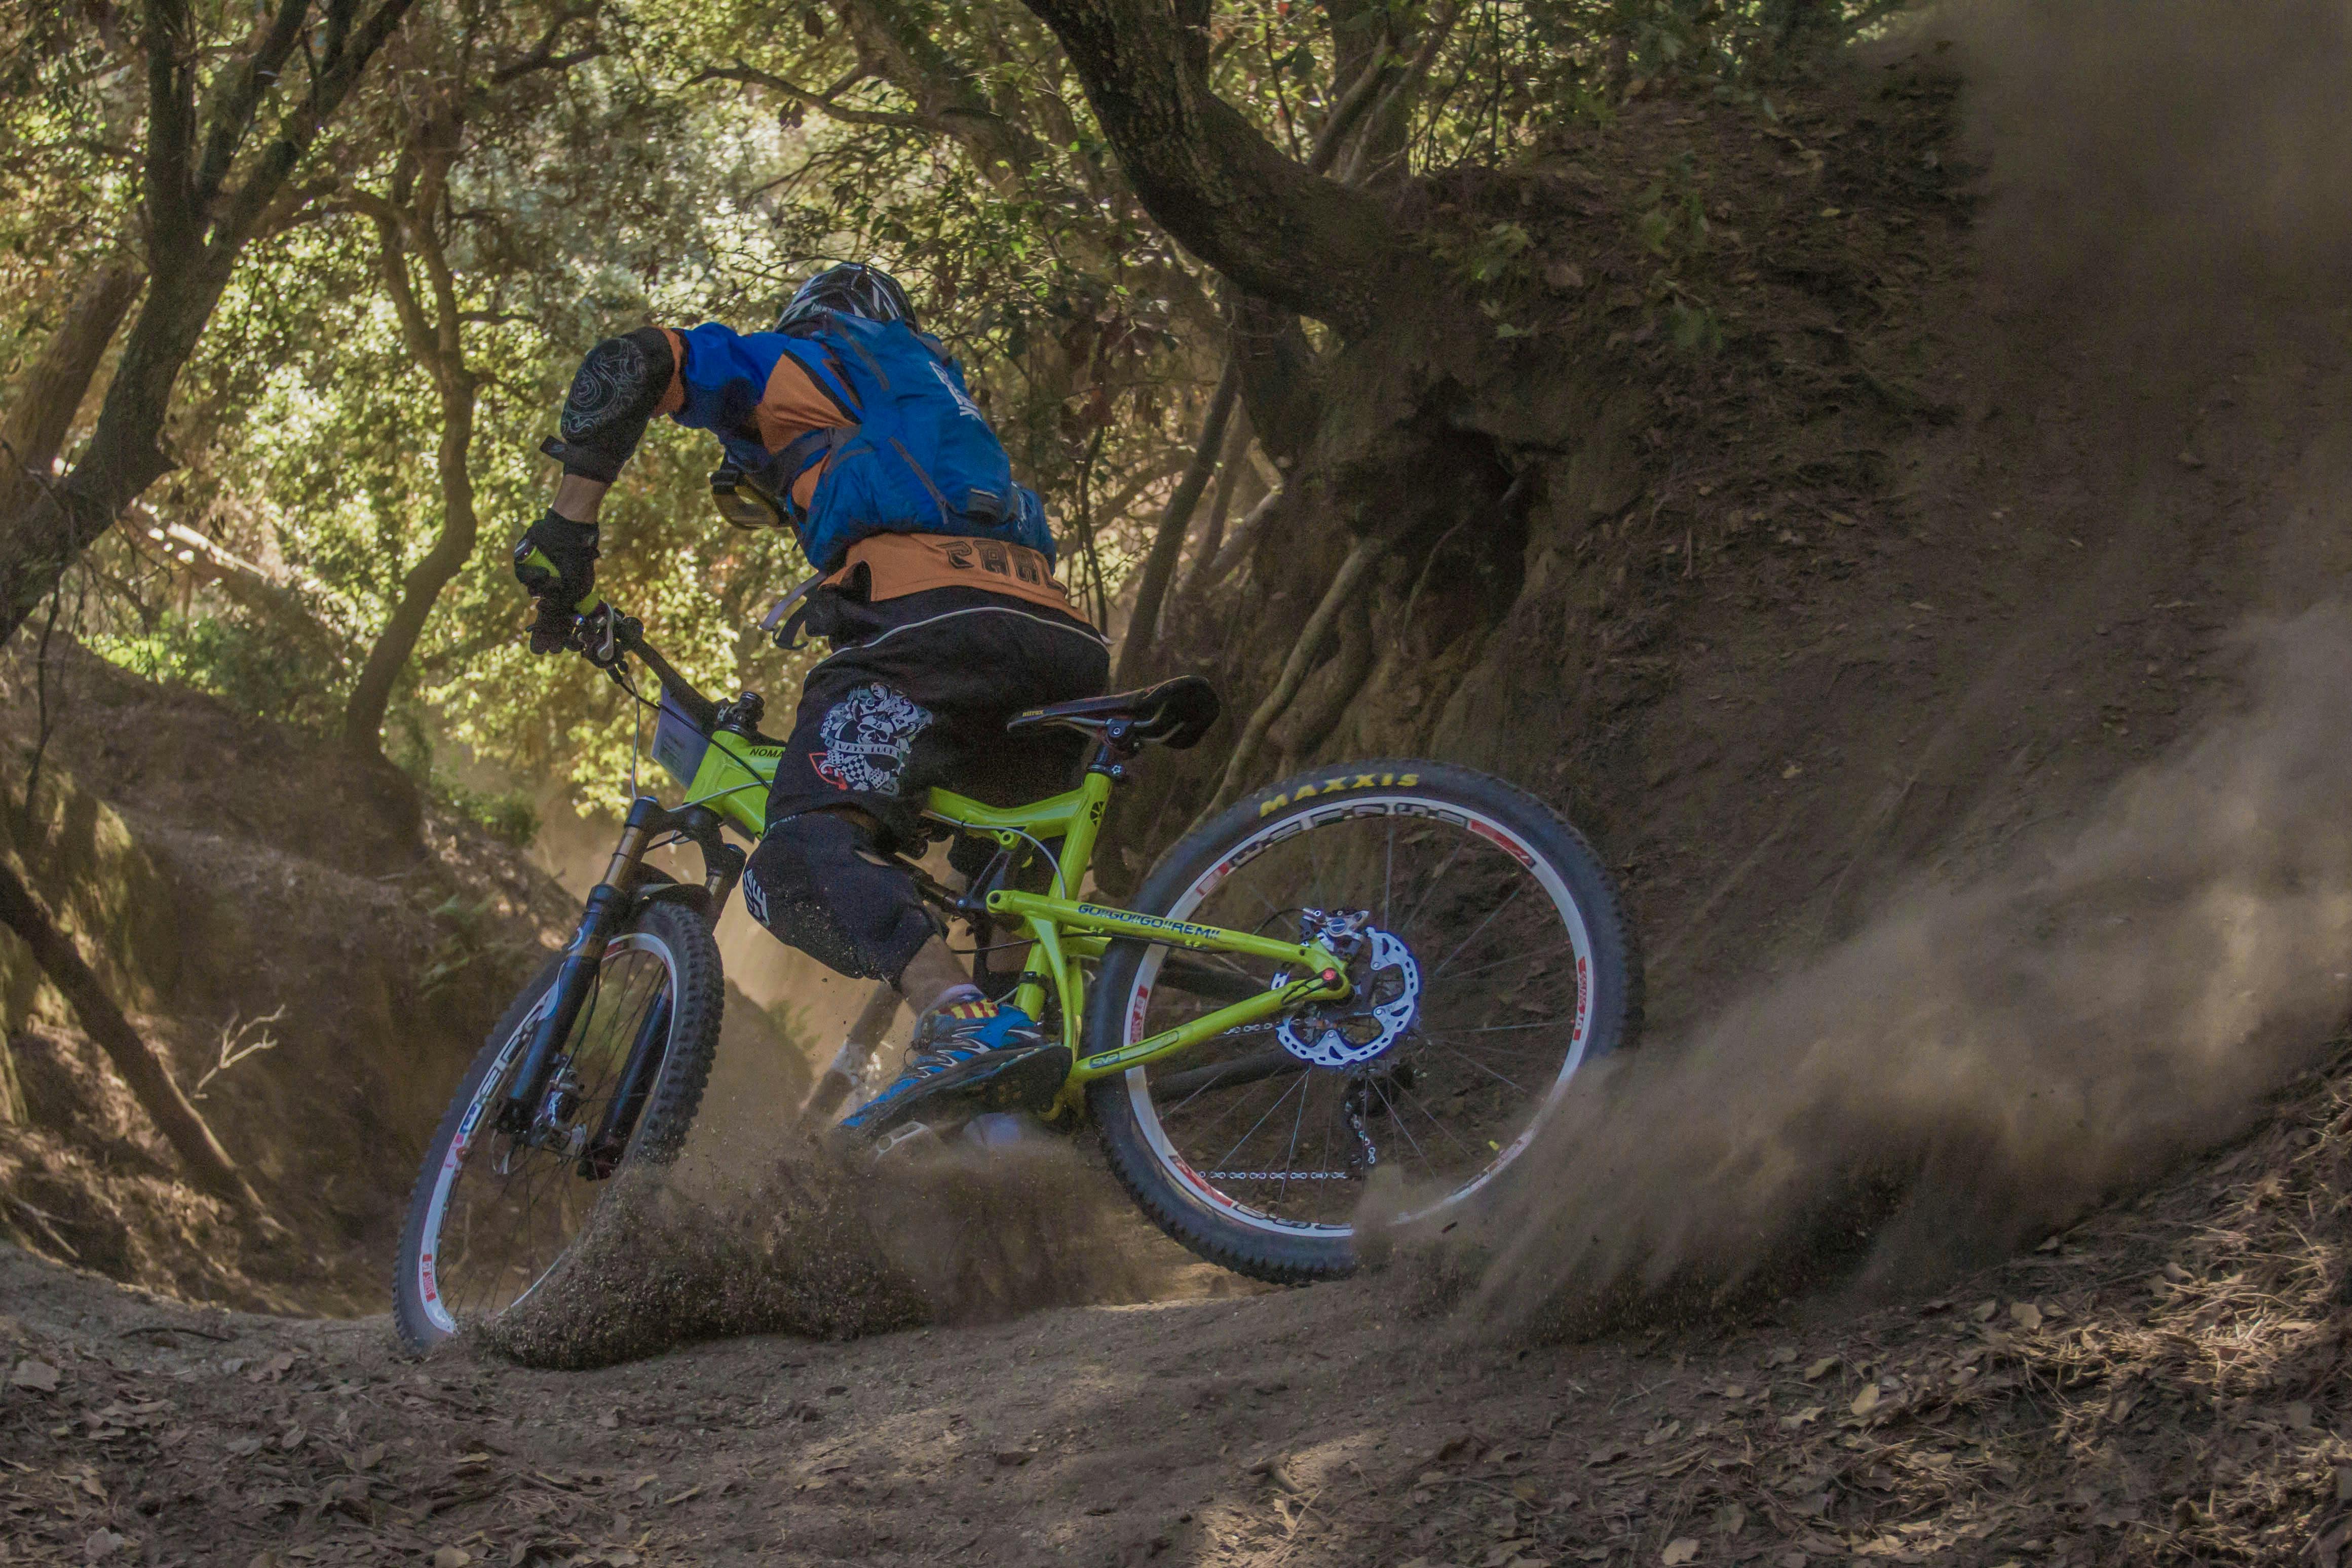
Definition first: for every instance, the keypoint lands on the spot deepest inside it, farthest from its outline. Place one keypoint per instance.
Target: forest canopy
(289, 294)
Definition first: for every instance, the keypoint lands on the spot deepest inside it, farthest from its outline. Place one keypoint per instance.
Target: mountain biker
(847, 424)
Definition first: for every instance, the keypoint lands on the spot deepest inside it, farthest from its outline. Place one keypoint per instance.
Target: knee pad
(811, 883)
(618, 386)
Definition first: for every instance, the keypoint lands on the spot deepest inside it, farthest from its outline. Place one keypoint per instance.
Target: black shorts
(918, 693)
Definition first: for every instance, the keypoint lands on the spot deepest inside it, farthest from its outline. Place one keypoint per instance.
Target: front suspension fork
(600, 920)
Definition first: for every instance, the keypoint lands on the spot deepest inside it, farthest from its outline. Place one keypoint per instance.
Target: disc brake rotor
(1386, 1001)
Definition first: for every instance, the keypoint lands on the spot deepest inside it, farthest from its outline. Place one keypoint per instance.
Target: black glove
(555, 560)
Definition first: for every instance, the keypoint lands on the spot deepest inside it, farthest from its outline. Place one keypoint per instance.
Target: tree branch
(392, 266)
(1347, 111)
(22, 912)
(1269, 223)
(171, 125)
(1399, 95)
(348, 53)
(235, 103)
(42, 404)
(901, 46)
(542, 55)
(1168, 544)
(739, 72)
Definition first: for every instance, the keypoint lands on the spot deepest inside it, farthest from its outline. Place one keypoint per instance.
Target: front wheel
(495, 1209)
(1491, 961)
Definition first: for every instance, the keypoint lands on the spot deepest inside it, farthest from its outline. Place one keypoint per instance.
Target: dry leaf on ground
(35, 1375)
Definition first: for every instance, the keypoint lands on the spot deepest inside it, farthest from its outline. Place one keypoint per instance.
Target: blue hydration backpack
(921, 458)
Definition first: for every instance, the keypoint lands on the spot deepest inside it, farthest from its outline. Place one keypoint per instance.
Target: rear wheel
(493, 1214)
(1492, 962)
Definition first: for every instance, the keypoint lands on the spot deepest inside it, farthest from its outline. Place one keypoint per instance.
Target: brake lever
(597, 636)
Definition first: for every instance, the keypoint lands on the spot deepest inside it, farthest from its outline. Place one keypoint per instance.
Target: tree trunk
(1361, 557)
(41, 409)
(197, 225)
(184, 551)
(1279, 377)
(1269, 223)
(1231, 467)
(1167, 545)
(460, 527)
(22, 912)
(47, 534)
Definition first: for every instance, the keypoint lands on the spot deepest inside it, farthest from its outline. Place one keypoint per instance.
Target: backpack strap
(801, 453)
(823, 366)
(871, 363)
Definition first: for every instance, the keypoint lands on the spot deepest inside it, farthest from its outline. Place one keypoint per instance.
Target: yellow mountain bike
(1394, 963)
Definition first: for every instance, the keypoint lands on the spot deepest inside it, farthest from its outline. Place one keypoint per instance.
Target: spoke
(1270, 1109)
(1434, 1122)
(1290, 1156)
(503, 1233)
(1397, 1120)
(1512, 1028)
(1203, 1089)
(1262, 898)
(1237, 1106)
(1485, 1069)
(1456, 980)
(1437, 877)
(1507, 1048)
(1482, 926)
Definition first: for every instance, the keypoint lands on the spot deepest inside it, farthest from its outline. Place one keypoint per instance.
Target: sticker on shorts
(867, 736)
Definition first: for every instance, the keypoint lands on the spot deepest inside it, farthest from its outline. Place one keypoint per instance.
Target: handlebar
(603, 635)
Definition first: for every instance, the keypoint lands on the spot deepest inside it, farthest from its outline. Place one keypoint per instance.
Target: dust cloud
(2150, 160)
(1979, 1066)
(824, 1249)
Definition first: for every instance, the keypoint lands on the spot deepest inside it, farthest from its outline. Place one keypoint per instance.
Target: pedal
(897, 1139)
(1000, 1130)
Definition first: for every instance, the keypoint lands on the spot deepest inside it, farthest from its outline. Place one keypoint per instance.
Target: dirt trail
(2159, 1384)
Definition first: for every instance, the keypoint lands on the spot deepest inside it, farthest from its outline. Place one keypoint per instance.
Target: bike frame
(1064, 933)
(727, 786)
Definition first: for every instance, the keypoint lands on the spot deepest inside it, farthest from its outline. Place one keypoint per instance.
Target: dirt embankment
(254, 896)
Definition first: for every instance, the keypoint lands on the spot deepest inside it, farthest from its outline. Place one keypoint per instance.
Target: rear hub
(1382, 1006)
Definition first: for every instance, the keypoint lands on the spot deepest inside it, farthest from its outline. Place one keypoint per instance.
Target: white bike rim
(1579, 941)
(452, 1160)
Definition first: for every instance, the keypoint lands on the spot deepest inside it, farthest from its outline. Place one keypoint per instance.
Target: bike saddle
(1174, 714)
